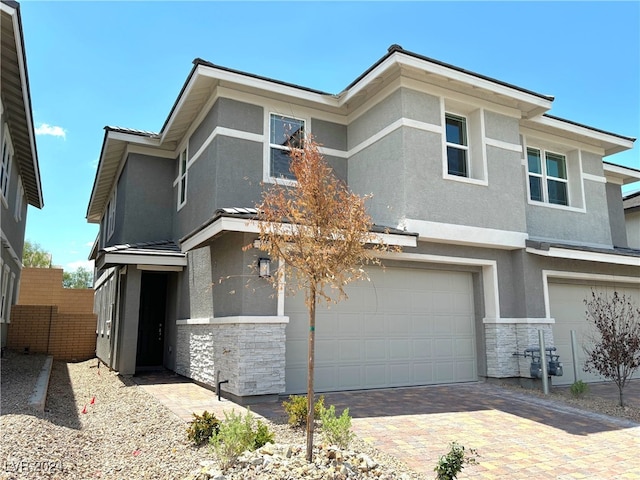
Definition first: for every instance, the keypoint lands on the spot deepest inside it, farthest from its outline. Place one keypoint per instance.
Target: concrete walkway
(518, 436)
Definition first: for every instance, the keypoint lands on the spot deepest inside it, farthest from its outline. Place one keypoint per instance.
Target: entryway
(151, 321)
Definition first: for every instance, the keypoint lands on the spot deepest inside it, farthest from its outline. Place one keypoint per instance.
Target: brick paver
(518, 436)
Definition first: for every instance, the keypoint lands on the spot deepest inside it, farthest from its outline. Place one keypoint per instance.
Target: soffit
(17, 105)
(610, 143)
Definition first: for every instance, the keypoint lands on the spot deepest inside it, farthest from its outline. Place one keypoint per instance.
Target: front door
(151, 322)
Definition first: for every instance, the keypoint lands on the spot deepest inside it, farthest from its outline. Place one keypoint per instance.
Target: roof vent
(394, 48)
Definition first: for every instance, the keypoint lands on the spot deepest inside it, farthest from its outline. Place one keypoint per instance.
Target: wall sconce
(264, 267)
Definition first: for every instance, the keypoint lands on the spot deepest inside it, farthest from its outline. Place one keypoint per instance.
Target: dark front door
(151, 323)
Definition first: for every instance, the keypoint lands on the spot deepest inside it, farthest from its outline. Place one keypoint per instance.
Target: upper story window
(457, 145)
(111, 215)
(5, 167)
(547, 177)
(17, 214)
(285, 133)
(182, 178)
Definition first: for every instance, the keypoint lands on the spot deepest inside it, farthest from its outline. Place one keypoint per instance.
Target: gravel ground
(127, 434)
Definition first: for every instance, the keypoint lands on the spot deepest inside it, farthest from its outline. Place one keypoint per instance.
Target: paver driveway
(518, 436)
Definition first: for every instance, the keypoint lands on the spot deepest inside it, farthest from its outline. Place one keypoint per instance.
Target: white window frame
(17, 213)
(7, 316)
(545, 177)
(3, 298)
(111, 213)
(7, 153)
(183, 177)
(458, 146)
(477, 171)
(268, 177)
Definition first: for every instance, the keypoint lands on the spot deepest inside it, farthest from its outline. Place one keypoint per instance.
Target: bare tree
(322, 232)
(614, 352)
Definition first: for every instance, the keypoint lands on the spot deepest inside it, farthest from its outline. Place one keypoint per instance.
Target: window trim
(7, 152)
(17, 212)
(111, 213)
(458, 146)
(183, 159)
(267, 176)
(477, 163)
(4, 299)
(545, 177)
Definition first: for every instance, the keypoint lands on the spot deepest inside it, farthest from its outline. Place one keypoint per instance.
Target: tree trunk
(310, 394)
(621, 397)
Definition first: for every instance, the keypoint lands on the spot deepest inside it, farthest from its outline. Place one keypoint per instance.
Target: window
(111, 218)
(5, 167)
(457, 145)
(17, 214)
(548, 177)
(182, 179)
(4, 298)
(285, 133)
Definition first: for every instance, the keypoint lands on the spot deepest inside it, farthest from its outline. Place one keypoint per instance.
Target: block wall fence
(51, 319)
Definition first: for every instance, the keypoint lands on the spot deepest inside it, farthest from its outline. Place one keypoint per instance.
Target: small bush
(451, 464)
(336, 430)
(262, 435)
(202, 428)
(234, 437)
(296, 408)
(579, 388)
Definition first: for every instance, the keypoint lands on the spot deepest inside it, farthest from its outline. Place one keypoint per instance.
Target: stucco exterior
(390, 140)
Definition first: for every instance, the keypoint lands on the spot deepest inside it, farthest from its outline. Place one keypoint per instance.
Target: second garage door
(403, 327)
(567, 307)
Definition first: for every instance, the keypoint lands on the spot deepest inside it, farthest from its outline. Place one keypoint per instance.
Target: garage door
(404, 327)
(568, 308)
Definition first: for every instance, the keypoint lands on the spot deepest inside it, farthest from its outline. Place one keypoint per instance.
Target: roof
(241, 219)
(161, 247)
(631, 202)
(16, 98)
(545, 246)
(397, 48)
(163, 254)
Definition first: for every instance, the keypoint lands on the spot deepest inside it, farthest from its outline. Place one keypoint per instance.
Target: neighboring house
(19, 171)
(507, 216)
(631, 205)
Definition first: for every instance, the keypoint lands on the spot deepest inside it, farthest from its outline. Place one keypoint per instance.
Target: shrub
(336, 430)
(579, 388)
(262, 435)
(451, 464)
(296, 408)
(234, 437)
(202, 428)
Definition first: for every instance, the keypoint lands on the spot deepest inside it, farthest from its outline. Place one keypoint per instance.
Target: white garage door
(568, 308)
(405, 327)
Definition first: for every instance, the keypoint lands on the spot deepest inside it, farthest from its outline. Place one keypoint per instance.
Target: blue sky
(93, 64)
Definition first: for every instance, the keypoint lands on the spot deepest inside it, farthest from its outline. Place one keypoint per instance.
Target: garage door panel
(376, 326)
(351, 351)
(399, 349)
(405, 327)
(423, 349)
(375, 350)
(400, 374)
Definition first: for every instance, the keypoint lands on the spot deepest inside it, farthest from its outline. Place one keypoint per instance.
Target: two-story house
(507, 216)
(19, 171)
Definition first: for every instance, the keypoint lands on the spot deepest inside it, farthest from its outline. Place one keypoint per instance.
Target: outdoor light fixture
(264, 268)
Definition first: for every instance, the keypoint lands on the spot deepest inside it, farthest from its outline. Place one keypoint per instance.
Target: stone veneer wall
(249, 352)
(505, 339)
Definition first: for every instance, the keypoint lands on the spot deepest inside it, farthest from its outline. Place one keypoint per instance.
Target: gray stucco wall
(616, 215)
(590, 228)
(13, 229)
(128, 334)
(408, 166)
(237, 289)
